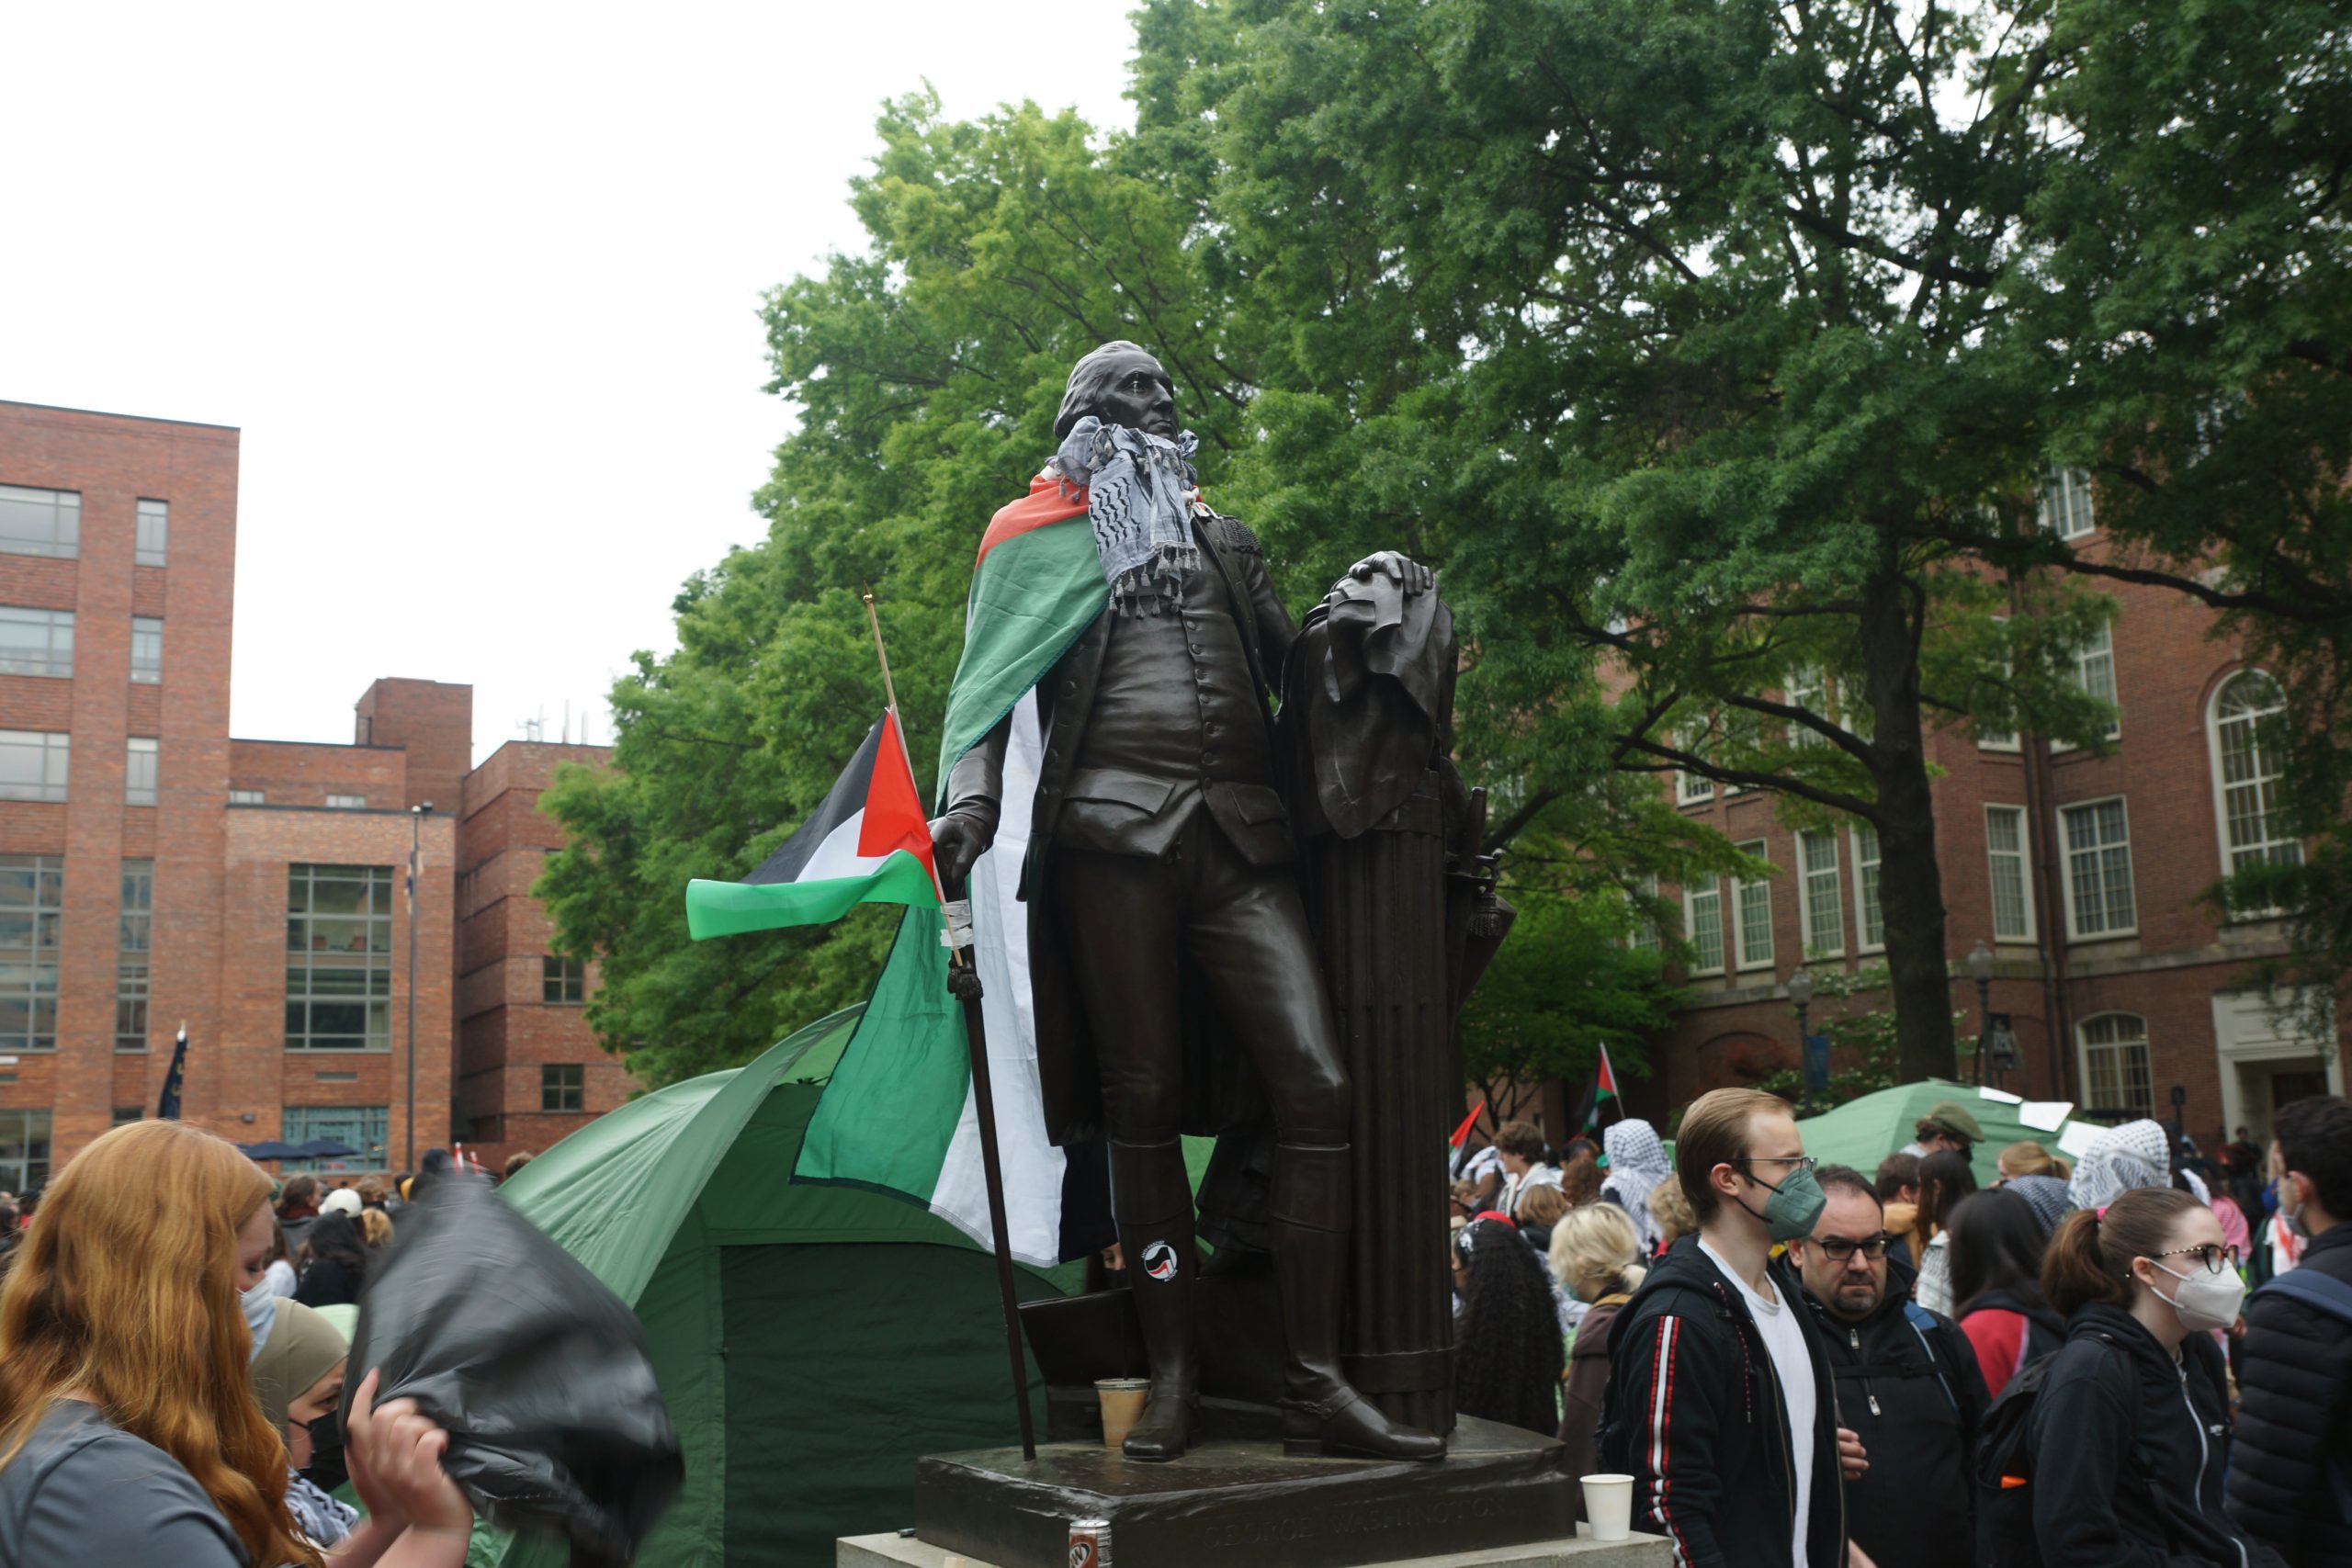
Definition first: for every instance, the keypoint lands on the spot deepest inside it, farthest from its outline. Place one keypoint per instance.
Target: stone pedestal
(1640, 1552)
(1246, 1505)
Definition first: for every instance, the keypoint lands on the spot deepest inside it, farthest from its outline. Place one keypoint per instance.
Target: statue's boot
(1153, 1201)
(1321, 1412)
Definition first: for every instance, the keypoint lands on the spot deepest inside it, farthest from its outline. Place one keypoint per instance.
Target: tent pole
(964, 984)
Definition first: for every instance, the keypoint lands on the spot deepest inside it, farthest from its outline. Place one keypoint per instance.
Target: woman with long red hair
(129, 1430)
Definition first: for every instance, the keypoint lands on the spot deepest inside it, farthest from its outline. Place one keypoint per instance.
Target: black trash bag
(537, 1372)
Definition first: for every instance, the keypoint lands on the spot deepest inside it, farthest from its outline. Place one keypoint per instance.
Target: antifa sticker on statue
(537, 1372)
(1159, 1260)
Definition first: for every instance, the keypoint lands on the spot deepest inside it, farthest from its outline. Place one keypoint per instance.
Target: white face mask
(2206, 1301)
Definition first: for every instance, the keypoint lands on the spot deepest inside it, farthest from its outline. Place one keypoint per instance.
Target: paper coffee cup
(1609, 1505)
(1121, 1400)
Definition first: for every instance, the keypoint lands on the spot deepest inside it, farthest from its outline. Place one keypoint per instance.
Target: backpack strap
(2314, 1290)
(1921, 1320)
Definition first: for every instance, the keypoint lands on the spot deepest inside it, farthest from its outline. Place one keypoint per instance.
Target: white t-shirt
(1784, 1342)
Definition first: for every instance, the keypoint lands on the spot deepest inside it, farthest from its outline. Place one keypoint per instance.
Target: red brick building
(2080, 872)
(154, 871)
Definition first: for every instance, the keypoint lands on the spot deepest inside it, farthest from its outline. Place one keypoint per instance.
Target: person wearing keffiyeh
(1637, 1163)
(2119, 1160)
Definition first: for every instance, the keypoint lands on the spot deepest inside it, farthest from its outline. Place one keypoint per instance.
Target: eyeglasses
(2218, 1259)
(1839, 1249)
(1795, 1162)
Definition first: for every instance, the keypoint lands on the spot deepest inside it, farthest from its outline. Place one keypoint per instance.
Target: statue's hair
(1089, 380)
(125, 1290)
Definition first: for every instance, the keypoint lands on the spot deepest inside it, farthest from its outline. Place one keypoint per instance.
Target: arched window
(2246, 768)
(2116, 1075)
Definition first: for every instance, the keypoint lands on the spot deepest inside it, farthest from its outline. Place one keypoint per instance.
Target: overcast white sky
(478, 282)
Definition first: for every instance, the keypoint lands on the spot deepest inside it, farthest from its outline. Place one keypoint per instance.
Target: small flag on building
(167, 1109)
(867, 843)
(1604, 1093)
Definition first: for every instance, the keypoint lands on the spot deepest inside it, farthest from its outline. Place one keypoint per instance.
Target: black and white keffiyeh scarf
(1139, 495)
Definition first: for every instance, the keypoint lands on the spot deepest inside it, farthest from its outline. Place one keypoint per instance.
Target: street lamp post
(1980, 969)
(1801, 997)
(417, 815)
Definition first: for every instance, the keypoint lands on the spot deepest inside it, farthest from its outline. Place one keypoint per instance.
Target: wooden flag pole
(964, 984)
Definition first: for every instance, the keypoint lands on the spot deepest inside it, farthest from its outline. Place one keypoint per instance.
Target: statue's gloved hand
(1409, 573)
(957, 842)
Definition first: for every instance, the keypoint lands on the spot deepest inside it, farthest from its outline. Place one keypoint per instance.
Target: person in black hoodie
(2291, 1484)
(337, 1265)
(1996, 1248)
(2130, 1434)
(1719, 1403)
(1906, 1380)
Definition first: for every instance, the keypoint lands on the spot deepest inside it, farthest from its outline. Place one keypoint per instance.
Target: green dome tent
(812, 1341)
(1863, 1131)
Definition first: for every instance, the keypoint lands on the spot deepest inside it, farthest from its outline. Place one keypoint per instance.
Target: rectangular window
(563, 1087)
(32, 906)
(140, 765)
(1808, 689)
(2099, 871)
(364, 1129)
(2116, 1074)
(2005, 854)
(348, 801)
(146, 649)
(562, 980)
(1643, 937)
(1867, 912)
(33, 764)
(36, 642)
(2094, 672)
(1991, 738)
(1822, 905)
(1691, 789)
(2066, 503)
(339, 957)
(154, 533)
(1702, 922)
(40, 523)
(247, 797)
(133, 946)
(124, 1115)
(24, 1149)
(1752, 936)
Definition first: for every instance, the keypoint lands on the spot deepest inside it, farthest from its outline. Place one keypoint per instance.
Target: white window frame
(2024, 853)
(151, 533)
(55, 748)
(1714, 888)
(1862, 899)
(2084, 1045)
(1645, 937)
(2084, 657)
(1813, 946)
(136, 792)
(2071, 491)
(2266, 849)
(1741, 957)
(247, 797)
(1999, 740)
(347, 802)
(149, 672)
(1807, 687)
(1690, 788)
(2075, 932)
(57, 638)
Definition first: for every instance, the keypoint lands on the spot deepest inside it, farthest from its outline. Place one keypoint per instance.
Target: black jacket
(2129, 1450)
(1916, 1398)
(1696, 1415)
(2295, 1414)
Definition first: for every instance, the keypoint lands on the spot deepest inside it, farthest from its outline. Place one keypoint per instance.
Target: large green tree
(1668, 328)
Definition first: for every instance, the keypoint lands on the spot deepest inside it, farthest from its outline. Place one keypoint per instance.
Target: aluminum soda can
(1090, 1543)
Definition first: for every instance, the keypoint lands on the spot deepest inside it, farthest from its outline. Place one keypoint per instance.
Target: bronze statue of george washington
(1161, 885)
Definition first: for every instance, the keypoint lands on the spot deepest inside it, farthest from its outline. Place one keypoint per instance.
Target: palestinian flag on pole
(1604, 1093)
(897, 1114)
(868, 843)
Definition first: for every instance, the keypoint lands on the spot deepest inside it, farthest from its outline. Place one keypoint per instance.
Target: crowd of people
(174, 1337)
(2145, 1358)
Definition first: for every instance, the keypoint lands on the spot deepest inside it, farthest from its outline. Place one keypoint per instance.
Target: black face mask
(326, 1470)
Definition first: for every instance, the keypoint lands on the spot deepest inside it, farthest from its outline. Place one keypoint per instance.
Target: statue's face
(1139, 395)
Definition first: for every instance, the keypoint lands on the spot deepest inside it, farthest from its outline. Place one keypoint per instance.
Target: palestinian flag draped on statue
(898, 1114)
(868, 843)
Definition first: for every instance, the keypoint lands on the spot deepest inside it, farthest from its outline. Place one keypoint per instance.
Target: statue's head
(1119, 384)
